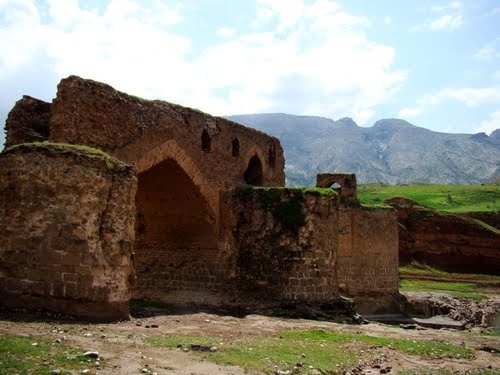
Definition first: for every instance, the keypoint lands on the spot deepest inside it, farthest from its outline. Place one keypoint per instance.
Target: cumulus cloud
(294, 46)
(471, 97)
(410, 112)
(468, 96)
(491, 124)
(443, 17)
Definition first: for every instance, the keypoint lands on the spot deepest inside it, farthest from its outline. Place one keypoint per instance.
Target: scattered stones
(91, 354)
(470, 313)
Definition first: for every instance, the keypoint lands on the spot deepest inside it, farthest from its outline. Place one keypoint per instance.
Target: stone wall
(368, 257)
(215, 153)
(136, 131)
(66, 231)
(347, 185)
(27, 122)
(286, 244)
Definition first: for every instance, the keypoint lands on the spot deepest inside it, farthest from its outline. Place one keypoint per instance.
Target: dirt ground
(124, 349)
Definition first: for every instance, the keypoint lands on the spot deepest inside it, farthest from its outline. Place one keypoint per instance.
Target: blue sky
(433, 63)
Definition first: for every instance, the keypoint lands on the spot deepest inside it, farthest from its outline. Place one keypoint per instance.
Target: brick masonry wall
(368, 257)
(178, 256)
(27, 122)
(285, 243)
(135, 130)
(66, 232)
(215, 153)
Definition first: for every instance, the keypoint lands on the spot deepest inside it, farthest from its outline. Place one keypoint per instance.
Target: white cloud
(315, 51)
(443, 17)
(471, 97)
(488, 52)
(225, 32)
(447, 22)
(490, 124)
(387, 20)
(410, 112)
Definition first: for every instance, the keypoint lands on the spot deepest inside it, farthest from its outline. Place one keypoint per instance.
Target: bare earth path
(124, 348)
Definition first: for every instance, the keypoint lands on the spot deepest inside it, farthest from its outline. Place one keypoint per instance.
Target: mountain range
(392, 151)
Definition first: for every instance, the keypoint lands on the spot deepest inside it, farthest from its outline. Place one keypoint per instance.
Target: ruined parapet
(66, 231)
(286, 247)
(143, 132)
(27, 122)
(346, 184)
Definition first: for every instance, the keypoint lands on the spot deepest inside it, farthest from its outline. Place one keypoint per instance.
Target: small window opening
(336, 185)
(272, 156)
(235, 148)
(253, 175)
(205, 141)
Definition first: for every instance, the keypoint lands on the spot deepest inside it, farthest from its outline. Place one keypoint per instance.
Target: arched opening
(253, 175)
(272, 156)
(206, 142)
(336, 186)
(235, 148)
(176, 252)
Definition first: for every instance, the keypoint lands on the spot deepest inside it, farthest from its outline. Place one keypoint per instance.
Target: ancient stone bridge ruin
(106, 197)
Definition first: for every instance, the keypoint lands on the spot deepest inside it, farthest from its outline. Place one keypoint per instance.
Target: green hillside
(452, 198)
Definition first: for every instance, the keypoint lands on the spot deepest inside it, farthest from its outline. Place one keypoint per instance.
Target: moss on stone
(284, 203)
(110, 161)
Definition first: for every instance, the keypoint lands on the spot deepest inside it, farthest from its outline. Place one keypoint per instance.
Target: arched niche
(253, 174)
(176, 242)
(235, 147)
(206, 141)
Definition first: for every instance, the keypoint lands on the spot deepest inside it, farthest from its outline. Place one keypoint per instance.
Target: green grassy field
(329, 352)
(38, 355)
(421, 277)
(452, 198)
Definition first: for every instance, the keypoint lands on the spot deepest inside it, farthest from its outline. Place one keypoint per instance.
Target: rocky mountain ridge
(391, 151)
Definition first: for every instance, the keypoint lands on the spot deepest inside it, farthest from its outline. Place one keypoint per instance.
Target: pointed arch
(254, 174)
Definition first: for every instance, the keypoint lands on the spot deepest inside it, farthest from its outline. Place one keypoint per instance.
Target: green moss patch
(284, 203)
(111, 162)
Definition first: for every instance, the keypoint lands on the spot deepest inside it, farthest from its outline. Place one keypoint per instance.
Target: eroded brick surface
(66, 232)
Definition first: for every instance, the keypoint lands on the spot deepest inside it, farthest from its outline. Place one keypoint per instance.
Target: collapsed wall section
(286, 244)
(27, 122)
(66, 231)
